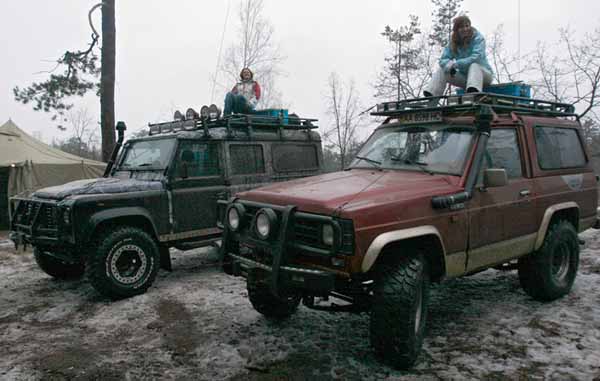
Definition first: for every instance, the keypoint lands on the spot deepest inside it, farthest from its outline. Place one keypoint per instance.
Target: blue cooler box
(514, 89)
(274, 113)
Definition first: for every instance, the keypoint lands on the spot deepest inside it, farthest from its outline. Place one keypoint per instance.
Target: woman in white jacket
(244, 96)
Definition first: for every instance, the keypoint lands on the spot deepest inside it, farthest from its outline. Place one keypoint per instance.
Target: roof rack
(247, 121)
(471, 101)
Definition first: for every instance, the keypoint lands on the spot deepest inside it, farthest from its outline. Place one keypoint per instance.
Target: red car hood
(352, 190)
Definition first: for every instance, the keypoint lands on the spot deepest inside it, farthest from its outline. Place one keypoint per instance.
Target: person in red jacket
(244, 96)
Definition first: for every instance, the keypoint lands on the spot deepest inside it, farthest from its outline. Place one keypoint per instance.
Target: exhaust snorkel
(121, 135)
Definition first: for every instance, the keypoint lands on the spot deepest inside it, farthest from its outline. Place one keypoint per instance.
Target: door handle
(524, 193)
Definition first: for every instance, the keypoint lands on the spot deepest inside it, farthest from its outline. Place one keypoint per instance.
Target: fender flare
(109, 214)
(541, 234)
(395, 236)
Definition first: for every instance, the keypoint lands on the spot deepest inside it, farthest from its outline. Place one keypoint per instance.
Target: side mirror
(183, 170)
(495, 177)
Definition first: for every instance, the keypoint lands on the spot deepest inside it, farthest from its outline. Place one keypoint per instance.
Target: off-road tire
(57, 268)
(269, 305)
(113, 268)
(549, 273)
(399, 310)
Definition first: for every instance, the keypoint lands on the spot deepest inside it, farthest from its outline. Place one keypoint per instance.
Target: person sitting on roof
(463, 62)
(244, 96)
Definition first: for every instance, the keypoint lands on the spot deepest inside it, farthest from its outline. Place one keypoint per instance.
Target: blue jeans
(236, 104)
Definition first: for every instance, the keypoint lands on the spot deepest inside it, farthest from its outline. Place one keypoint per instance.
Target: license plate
(420, 117)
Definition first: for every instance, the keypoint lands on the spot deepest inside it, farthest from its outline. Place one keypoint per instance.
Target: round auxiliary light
(191, 114)
(178, 116)
(235, 213)
(327, 234)
(265, 223)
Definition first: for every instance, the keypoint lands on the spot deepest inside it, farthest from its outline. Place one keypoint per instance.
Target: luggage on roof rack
(471, 101)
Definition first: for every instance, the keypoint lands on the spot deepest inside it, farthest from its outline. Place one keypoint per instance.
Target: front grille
(48, 217)
(305, 229)
(42, 215)
(308, 233)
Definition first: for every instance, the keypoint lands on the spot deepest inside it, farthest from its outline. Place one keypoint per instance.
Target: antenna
(519, 37)
(212, 93)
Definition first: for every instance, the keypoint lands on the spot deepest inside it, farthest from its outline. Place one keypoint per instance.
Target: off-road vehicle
(436, 192)
(160, 193)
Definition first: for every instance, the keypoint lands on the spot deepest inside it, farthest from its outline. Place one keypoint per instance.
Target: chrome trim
(500, 252)
(171, 222)
(541, 234)
(397, 235)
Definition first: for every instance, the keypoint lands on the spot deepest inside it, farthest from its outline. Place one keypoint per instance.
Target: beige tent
(26, 164)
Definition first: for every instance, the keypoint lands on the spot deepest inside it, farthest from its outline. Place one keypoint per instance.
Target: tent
(26, 164)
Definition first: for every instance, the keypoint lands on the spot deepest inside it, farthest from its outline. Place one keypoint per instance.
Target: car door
(197, 181)
(502, 219)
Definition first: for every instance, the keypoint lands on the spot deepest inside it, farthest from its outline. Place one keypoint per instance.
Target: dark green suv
(161, 192)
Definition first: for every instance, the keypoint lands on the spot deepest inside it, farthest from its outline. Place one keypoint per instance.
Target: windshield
(148, 154)
(431, 149)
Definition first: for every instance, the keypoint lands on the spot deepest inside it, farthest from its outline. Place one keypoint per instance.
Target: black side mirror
(495, 177)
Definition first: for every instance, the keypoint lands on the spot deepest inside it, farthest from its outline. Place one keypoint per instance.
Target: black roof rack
(247, 121)
(468, 102)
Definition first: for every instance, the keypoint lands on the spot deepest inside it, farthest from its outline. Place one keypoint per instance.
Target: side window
(503, 152)
(246, 159)
(202, 159)
(558, 148)
(294, 157)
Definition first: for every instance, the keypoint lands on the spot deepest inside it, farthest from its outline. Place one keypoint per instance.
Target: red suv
(436, 192)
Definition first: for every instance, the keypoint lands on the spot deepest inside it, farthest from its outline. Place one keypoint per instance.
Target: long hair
(251, 74)
(456, 41)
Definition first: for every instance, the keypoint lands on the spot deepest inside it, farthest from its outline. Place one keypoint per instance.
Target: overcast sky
(167, 50)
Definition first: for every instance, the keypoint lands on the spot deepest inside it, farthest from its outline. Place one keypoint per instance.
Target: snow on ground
(196, 323)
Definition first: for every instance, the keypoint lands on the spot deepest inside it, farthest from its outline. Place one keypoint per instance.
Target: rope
(212, 94)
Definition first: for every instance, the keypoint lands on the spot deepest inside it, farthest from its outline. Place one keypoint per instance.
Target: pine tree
(443, 14)
(80, 71)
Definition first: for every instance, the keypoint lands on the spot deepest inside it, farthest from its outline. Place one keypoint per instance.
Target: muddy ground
(196, 323)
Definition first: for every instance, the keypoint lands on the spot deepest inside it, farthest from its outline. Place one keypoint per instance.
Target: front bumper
(36, 222)
(313, 281)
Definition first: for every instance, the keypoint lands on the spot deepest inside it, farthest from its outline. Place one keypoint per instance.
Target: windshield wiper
(374, 163)
(419, 164)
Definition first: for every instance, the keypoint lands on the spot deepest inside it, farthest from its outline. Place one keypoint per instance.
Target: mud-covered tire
(269, 305)
(57, 268)
(399, 310)
(124, 262)
(549, 273)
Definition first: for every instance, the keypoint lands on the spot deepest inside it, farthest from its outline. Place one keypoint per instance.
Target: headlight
(265, 223)
(235, 214)
(327, 234)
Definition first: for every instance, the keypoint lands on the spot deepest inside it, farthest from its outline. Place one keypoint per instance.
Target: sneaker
(472, 90)
(427, 94)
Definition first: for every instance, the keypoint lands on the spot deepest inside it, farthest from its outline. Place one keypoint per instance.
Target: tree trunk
(107, 80)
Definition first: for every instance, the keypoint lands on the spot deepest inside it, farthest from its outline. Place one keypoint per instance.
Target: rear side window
(246, 159)
(294, 157)
(558, 148)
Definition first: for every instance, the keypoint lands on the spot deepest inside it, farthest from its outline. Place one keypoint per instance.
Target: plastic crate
(274, 113)
(515, 89)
